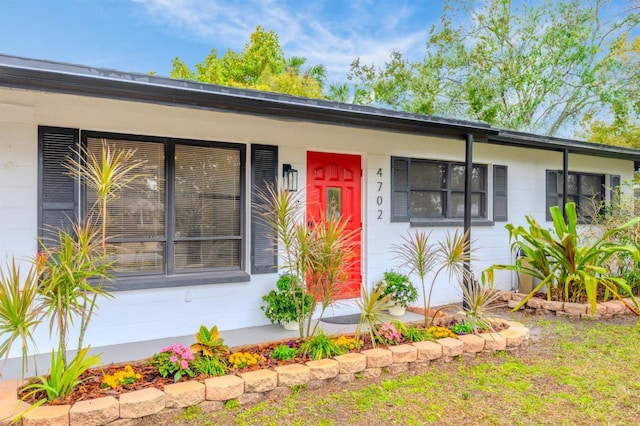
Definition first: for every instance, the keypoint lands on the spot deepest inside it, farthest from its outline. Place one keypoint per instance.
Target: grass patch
(580, 373)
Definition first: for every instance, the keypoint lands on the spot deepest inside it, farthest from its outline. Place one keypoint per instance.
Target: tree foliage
(539, 67)
(261, 65)
(624, 128)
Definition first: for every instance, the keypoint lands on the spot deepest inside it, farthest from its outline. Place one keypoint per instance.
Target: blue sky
(145, 35)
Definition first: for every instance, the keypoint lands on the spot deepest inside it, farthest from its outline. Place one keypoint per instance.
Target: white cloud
(327, 32)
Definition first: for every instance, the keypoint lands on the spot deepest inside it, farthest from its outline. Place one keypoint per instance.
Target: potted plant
(400, 290)
(280, 304)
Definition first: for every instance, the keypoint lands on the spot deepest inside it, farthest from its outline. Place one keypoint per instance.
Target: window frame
(165, 279)
(447, 219)
(578, 195)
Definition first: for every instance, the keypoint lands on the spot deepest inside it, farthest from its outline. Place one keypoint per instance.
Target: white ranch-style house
(192, 250)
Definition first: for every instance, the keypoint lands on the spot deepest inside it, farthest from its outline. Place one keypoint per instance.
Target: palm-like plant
(322, 255)
(570, 271)
(421, 257)
(19, 311)
(65, 287)
(373, 305)
(106, 174)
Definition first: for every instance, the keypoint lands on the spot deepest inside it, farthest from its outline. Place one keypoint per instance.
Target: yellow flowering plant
(348, 343)
(245, 359)
(439, 332)
(126, 376)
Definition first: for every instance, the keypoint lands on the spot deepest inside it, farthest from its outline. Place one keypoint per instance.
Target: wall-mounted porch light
(289, 178)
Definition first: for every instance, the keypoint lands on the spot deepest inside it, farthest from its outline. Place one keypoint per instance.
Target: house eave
(49, 76)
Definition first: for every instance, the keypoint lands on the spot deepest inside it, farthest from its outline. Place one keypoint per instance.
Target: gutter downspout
(467, 211)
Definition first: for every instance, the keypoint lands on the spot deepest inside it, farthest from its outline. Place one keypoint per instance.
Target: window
(182, 221)
(425, 190)
(584, 189)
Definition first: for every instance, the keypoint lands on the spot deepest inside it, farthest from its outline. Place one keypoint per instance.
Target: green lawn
(574, 373)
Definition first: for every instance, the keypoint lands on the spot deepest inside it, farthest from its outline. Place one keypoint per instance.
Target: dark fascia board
(551, 143)
(34, 74)
(76, 79)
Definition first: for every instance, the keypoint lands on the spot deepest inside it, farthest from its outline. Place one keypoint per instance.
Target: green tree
(624, 128)
(539, 67)
(260, 65)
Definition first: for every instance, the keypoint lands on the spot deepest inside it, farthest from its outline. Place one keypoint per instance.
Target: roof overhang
(32, 74)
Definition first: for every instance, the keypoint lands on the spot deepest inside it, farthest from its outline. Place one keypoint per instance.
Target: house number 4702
(379, 192)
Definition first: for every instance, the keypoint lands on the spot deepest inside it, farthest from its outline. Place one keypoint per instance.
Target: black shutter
(552, 192)
(614, 194)
(399, 189)
(57, 191)
(264, 171)
(500, 205)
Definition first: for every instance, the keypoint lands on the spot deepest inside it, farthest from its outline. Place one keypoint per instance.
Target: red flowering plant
(174, 360)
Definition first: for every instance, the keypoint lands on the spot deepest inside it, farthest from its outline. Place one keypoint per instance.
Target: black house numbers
(379, 194)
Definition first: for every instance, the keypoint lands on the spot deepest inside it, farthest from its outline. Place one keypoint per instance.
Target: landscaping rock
(575, 308)
(513, 303)
(260, 380)
(141, 403)
(47, 415)
(9, 390)
(535, 303)
(494, 342)
(513, 336)
(293, 374)
(614, 307)
(518, 296)
(223, 388)
(184, 394)
(97, 411)
(323, 369)
(471, 343)
(428, 350)
(378, 357)
(403, 353)
(10, 409)
(351, 363)
(450, 346)
(524, 330)
(551, 305)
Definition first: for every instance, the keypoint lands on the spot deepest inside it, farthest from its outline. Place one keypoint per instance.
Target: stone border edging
(255, 386)
(538, 306)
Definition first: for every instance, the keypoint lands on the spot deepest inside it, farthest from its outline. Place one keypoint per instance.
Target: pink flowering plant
(174, 359)
(388, 334)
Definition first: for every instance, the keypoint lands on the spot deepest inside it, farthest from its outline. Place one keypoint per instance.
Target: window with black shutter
(500, 191)
(264, 169)
(58, 192)
(429, 191)
(586, 190)
(180, 223)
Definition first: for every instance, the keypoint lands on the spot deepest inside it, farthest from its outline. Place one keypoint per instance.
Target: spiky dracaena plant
(65, 289)
(19, 310)
(373, 306)
(421, 257)
(320, 256)
(106, 174)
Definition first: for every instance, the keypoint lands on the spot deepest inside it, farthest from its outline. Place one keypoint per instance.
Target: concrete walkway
(129, 352)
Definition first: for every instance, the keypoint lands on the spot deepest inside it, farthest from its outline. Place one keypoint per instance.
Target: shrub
(210, 365)
(399, 288)
(173, 360)
(321, 346)
(388, 334)
(283, 352)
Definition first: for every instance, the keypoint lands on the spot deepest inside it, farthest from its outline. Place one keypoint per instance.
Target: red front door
(333, 189)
